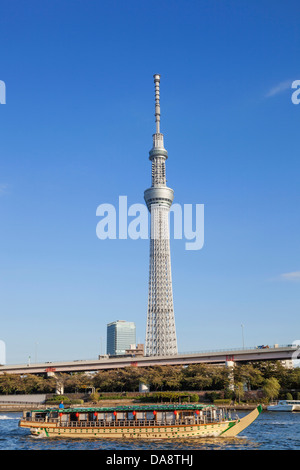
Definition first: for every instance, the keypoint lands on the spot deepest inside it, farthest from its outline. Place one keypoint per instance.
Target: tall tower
(160, 333)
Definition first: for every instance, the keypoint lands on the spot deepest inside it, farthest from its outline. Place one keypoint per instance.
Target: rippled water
(270, 431)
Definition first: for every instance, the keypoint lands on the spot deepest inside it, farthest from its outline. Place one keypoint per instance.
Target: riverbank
(19, 407)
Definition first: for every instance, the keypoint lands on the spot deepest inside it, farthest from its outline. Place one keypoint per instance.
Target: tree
(36, 384)
(172, 378)
(239, 390)
(271, 369)
(291, 379)
(131, 377)
(220, 377)
(271, 388)
(197, 382)
(10, 383)
(197, 377)
(77, 381)
(154, 376)
(249, 375)
(104, 381)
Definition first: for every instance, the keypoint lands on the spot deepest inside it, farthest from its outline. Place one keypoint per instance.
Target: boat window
(169, 416)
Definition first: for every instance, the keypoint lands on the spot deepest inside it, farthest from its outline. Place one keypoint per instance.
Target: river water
(270, 431)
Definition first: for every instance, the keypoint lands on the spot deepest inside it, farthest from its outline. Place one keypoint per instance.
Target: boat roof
(290, 401)
(156, 407)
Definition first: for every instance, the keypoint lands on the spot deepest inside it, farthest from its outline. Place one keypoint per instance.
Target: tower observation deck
(160, 331)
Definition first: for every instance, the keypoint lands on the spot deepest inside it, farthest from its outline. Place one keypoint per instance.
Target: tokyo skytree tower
(160, 332)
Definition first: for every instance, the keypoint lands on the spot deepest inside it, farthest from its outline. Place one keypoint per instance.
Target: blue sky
(75, 132)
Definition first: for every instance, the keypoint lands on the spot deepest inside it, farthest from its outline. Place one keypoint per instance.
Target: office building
(120, 336)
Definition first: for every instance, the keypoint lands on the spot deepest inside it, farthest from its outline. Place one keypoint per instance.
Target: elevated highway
(209, 357)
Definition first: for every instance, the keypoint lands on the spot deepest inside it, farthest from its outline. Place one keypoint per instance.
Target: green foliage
(212, 396)
(228, 394)
(289, 396)
(115, 396)
(192, 378)
(194, 398)
(94, 397)
(287, 378)
(239, 391)
(10, 383)
(58, 398)
(249, 375)
(222, 401)
(271, 388)
(167, 397)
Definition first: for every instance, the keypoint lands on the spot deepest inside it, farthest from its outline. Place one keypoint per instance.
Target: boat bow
(235, 427)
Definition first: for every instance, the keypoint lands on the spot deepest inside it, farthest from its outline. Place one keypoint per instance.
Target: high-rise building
(121, 335)
(160, 332)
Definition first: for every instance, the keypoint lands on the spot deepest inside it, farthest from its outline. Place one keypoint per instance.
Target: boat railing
(121, 423)
(118, 423)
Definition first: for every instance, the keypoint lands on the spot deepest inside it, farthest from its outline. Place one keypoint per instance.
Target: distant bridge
(265, 353)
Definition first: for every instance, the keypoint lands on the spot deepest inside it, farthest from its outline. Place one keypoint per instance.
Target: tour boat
(285, 405)
(171, 421)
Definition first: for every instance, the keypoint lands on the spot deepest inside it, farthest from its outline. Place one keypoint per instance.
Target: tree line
(195, 377)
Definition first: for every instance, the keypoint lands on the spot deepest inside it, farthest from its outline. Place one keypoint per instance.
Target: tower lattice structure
(160, 332)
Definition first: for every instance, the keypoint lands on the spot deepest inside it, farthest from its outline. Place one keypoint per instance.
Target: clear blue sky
(75, 132)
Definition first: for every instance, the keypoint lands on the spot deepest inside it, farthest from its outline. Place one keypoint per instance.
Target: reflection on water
(270, 431)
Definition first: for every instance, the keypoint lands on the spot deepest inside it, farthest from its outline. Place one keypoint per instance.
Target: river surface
(270, 431)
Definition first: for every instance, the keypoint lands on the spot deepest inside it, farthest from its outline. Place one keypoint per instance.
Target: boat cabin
(129, 416)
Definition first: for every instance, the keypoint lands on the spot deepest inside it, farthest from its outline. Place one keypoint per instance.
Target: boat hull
(284, 408)
(144, 433)
(219, 429)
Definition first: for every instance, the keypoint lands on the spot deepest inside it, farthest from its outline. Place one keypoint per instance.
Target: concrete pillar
(230, 364)
(59, 383)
